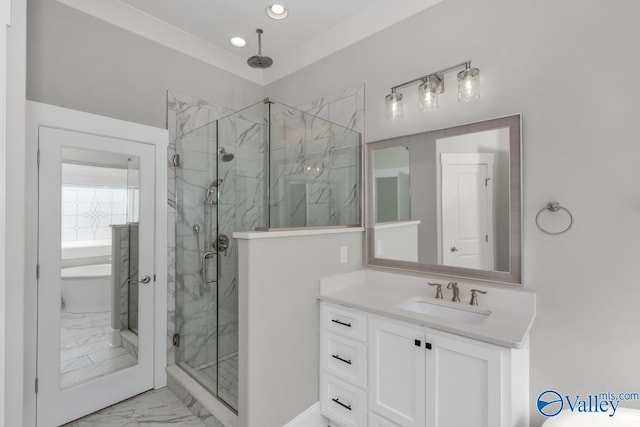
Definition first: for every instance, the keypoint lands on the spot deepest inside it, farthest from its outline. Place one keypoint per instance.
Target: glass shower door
(221, 188)
(196, 259)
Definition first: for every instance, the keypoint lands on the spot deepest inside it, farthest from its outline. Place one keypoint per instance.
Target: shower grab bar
(205, 257)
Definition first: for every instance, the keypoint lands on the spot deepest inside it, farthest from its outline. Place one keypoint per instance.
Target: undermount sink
(424, 306)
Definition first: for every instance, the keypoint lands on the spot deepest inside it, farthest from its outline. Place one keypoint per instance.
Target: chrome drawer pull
(348, 325)
(341, 404)
(337, 356)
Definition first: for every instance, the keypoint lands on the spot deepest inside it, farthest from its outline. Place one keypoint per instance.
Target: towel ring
(554, 207)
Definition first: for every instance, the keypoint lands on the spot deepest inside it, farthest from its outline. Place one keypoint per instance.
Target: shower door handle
(205, 257)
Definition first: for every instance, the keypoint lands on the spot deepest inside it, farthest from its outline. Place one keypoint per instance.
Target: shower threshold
(226, 388)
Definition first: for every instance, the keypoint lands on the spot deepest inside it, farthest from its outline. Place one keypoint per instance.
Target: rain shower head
(226, 157)
(259, 61)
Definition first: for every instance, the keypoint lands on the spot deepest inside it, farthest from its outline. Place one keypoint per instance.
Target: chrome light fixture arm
(439, 74)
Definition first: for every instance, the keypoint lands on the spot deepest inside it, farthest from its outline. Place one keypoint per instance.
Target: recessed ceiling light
(238, 41)
(277, 11)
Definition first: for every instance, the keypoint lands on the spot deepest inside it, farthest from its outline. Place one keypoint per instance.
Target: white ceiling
(202, 28)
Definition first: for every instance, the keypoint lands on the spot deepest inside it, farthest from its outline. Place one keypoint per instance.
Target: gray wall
(545, 59)
(279, 322)
(80, 62)
(424, 193)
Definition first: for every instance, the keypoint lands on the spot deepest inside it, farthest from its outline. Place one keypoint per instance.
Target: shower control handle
(145, 279)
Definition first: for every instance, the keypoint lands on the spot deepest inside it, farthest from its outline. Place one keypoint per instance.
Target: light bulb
(238, 42)
(468, 84)
(428, 93)
(277, 11)
(394, 106)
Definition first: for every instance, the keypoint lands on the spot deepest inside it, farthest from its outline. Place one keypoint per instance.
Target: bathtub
(86, 288)
(624, 417)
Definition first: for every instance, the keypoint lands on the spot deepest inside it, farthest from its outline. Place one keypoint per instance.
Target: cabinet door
(397, 372)
(463, 383)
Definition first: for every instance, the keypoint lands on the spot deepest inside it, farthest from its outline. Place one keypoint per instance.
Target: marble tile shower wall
(120, 234)
(243, 204)
(242, 207)
(132, 297)
(315, 167)
(184, 115)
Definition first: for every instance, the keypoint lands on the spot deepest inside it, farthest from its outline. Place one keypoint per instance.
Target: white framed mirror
(448, 201)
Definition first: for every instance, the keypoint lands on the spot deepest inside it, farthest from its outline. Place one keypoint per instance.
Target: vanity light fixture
(277, 11)
(431, 85)
(428, 92)
(468, 84)
(238, 41)
(394, 105)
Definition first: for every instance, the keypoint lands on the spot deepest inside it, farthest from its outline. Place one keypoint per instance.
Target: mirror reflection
(99, 242)
(444, 198)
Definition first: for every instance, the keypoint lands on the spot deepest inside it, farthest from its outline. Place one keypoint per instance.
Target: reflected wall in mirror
(448, 201)
(98, 316)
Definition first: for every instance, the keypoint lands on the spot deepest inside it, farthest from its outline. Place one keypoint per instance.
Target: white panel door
(467, 210)
(463, 384)
(397, 372)
(79, 371)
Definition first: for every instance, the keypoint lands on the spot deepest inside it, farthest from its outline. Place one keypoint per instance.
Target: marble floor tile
(155, 408)
(84, 348)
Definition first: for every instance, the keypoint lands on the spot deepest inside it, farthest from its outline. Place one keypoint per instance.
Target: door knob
(145, 279)
(454, 249)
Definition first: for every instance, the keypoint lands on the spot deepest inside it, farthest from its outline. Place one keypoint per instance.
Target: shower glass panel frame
(266, 166)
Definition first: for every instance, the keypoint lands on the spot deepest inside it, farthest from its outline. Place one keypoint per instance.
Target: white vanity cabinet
(419, 377)
(397, 372)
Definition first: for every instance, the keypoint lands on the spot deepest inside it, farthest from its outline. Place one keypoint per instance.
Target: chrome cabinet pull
(336, 400)
(337, 356)
(348, 325)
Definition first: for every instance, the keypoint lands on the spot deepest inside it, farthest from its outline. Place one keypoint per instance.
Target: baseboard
(309, 418)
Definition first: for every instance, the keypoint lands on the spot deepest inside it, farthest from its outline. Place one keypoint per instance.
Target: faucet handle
(474, 296)
(438, 290)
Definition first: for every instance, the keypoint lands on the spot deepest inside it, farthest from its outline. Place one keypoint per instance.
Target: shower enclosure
(267, 166)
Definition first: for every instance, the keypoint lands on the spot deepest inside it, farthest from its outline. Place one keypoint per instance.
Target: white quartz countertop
(512, 311)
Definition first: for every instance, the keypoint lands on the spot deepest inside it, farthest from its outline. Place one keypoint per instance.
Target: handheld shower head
(212, 190)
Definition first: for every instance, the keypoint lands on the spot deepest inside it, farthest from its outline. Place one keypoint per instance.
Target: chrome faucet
(456, 291)
(438, 290)
(474, 296)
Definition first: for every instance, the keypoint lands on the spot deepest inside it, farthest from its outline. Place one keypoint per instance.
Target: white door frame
(61, 118)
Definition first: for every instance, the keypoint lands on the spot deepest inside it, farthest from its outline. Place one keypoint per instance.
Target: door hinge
(486, 238)
(36, 385)
(175, 160)
(176, 340)
(38, 157)
(37, 271)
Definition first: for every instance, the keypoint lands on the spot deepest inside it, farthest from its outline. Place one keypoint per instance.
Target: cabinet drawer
(343, 358)
(343, 321)
(343, 403)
